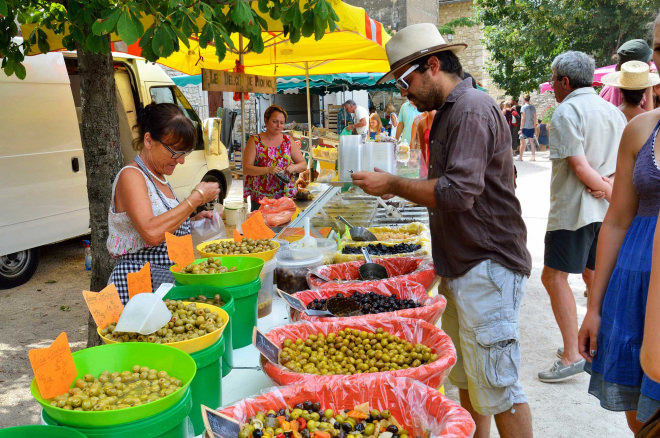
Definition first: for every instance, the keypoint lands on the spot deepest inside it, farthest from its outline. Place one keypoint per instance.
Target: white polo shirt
(359, 114)
(583, 124)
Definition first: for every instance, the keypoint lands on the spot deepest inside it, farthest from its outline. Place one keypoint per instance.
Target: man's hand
(603, 194)
(376, 183)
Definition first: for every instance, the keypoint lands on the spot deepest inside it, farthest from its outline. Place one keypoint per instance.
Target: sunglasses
(175, 154)
(400, 83)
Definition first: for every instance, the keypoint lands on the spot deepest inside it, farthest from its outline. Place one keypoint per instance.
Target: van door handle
(75, 165)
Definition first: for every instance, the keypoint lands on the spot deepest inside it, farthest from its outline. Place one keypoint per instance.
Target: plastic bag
(416, 269)
(277, 211)
(404, 289)
(346, 132)
(208, 229)
(326, 175)
(423, 411)
(412, 330)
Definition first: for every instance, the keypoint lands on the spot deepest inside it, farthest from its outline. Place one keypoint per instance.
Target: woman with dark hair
(143, 206)
(270, 159)
(634, 81)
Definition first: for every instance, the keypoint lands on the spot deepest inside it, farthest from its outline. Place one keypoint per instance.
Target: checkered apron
(155, 255)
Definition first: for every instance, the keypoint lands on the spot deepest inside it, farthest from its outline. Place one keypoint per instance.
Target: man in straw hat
(478, 235)
(584, 137)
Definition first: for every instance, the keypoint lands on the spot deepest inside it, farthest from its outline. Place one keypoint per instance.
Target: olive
(257, 433)
(359, 427)
(347, 427)
(316, 406)
(392, 428)
(307, 405)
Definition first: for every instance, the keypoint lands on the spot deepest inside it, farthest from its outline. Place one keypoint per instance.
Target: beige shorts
(482, 320)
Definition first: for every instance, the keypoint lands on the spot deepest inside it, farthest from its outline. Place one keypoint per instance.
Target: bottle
(88, 255)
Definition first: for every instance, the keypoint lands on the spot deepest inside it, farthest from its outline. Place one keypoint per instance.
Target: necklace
(162, 181)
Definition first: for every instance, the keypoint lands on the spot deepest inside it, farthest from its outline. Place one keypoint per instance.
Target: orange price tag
(139, 282)
(256, 228)
(53, 367)
(237, 236)
(180, 250)
(105, 306)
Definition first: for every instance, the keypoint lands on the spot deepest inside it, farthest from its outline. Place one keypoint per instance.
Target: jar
(265, 298)
(292, 274)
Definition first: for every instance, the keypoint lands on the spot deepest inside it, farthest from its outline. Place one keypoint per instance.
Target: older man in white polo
(360, 117)
(477, 231)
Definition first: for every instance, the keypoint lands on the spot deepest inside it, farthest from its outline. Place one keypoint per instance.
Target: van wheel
(18, 268)
(221, 195)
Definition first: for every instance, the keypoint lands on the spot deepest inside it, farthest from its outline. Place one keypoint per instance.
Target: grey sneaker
(560, 352)
(560, 372)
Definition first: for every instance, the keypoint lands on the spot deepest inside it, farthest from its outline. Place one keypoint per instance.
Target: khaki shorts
(482, 320)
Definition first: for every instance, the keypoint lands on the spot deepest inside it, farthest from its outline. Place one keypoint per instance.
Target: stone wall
(473, 58)
(398, 14)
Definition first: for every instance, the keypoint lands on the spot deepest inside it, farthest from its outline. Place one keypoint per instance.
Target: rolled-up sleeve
(471, 146)
(566, 138)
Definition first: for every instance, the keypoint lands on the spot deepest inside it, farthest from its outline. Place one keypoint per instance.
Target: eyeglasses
(175, 154)
(400, 83)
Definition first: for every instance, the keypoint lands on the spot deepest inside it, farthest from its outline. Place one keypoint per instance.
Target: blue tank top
(646, 177)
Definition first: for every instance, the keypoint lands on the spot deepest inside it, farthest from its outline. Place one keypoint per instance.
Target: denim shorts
(482, 320)
(527, 133)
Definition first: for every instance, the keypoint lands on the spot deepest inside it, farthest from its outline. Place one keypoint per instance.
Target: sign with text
(105, 306)
(265, 346)
(218, 80)
(139, 282)
(292, 301)
(54, 369)
(218, 425)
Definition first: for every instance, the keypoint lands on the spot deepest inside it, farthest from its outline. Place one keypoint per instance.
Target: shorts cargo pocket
(499, 354)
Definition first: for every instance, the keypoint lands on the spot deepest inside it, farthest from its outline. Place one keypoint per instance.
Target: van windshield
(174, 95)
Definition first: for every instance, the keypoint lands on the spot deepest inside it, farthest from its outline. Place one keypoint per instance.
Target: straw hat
(414, 42)
(634, 75)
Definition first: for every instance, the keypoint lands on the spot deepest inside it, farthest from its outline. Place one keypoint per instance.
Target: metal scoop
(359, 234)
(338, 306)
(370, 270)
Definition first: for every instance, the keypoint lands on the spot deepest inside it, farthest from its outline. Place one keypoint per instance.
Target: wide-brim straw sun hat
(414, 42)
(634, 75)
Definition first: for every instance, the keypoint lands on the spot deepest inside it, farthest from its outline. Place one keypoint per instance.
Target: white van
(43, 191)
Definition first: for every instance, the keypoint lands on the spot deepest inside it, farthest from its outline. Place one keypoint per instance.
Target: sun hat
(414, 42)
(634, 50)
(634, 75)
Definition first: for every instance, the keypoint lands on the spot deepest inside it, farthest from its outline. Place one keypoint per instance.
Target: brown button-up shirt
(477, 215)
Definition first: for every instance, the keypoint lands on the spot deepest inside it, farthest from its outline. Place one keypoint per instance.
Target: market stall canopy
(356, 46)
(598, 75)
(318, 84)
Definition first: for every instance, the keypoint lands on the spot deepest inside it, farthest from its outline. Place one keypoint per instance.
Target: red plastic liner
(404, 289)
(418, 269)
(412, 330)
(423, 411)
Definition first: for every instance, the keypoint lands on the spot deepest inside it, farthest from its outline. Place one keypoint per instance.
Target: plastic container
(265, 296)
(264, 255)
(207, 385)
(245, 316)
(120, 357)
(247, 269)
(233, 213)
(292, 274)
(187, 291)
(191, 345)
(40, 431)
(88, 255)
(171, 423)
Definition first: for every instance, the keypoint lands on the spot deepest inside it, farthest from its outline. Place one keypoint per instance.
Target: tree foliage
(523, 36)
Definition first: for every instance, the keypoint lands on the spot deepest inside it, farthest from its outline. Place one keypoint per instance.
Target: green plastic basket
(121, 357)
(247, 269)
(207, 384)
(40, 432)
(245, 316)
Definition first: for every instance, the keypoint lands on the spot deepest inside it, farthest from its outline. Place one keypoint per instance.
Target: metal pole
(309, 117)
(240, 57)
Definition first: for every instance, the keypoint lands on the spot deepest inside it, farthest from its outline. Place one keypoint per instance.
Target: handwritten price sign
(105, 306)
(54, 369)
(180, 250)
(140, 281)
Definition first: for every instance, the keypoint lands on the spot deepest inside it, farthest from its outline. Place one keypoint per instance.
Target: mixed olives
(245, 246)
(310, 420)
(208, 266)
(352, 351)
(369, 302)
(117, 390)
(380, 249)
(188, 322)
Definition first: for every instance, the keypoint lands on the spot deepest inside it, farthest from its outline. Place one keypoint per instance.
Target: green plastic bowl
(121, 357)
(40, 432)
(247, 269)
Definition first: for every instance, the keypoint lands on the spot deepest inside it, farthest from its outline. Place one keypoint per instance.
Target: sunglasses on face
(400, 83)
(175, 154)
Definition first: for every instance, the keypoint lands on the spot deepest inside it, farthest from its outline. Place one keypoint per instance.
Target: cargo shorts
(482, 320)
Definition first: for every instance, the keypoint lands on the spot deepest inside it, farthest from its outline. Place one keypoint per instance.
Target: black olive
(307, 405)
(340, 434)
(316, 406)
(392, 428)
(348, 427)
(359, 427)
(281, 412)
(257, 433)
(305, 433)
(337, 425)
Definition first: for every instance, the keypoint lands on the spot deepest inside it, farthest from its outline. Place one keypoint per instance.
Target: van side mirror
(212, 128)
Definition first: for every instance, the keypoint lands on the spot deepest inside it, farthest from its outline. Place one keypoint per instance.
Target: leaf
(106, 25)
(308, 28)
(240, 13)
(65, 308)
(42, 41)
(9, 67)
(181, 36)
(206, 35)
(126, 28)
(50, 281)
(257, 43)
(4, 10)
(220, 47)
(321, 9)
(96, 44)
(319, 27)
(162, 43)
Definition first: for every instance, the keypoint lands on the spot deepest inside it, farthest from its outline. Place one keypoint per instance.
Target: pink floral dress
(269, 186)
